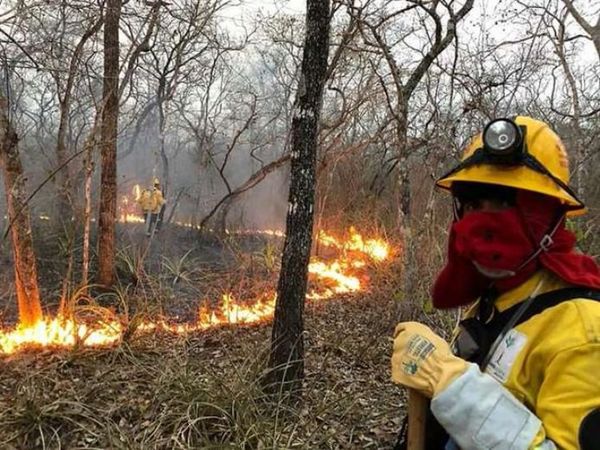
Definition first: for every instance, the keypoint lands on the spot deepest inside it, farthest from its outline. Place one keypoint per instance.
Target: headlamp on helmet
(505, 144)
(503, 138)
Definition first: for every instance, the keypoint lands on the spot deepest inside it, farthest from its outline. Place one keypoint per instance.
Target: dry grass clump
(156, 394)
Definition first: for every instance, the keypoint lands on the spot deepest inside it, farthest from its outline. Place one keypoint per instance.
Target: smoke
(265, 206)
(201, 172)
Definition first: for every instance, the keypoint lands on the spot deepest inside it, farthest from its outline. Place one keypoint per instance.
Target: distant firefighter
(151, 201)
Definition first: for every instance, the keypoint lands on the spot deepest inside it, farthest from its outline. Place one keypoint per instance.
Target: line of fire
(344, 271)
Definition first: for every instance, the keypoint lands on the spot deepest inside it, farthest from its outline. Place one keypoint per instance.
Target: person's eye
(471, 206)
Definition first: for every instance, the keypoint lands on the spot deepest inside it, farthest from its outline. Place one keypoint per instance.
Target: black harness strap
(551, 299)
(541, 303)
(485, 333)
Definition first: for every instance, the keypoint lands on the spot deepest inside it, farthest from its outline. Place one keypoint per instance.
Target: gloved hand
(422, 360)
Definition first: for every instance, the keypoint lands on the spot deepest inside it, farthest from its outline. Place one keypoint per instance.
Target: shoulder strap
(545, 301)
(483, 334)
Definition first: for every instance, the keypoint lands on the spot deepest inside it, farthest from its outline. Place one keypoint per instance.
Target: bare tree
(374, 33)
(110, 117)
(112, 93)
(287, 342)
(65, 100)
(592, 30)
(28, 295)
(572, 103)
(184, 41)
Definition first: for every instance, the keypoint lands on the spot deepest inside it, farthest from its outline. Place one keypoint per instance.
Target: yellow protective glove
(422, 360)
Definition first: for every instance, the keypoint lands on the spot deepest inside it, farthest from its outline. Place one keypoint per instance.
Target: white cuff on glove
(479, 413)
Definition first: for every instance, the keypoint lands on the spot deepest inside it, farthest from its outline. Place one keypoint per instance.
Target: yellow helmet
(523, 153)
(156, 181)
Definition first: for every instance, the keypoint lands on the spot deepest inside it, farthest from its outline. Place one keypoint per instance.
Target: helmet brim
(520, 177)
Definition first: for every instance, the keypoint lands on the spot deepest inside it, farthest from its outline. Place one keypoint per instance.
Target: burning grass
(346, 273)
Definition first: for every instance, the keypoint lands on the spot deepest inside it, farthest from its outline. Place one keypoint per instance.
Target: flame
(335, 272)
(136, 191)
(131, 218)
(129, 211)
(377, 249)
(232, 312)
(267, 232)
(346, 274)
(60, 332)
(180, 223)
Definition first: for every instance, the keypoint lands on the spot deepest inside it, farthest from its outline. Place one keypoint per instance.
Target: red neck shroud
(504, 240)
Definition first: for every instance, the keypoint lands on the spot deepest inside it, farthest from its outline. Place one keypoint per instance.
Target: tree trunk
(88, 167)
(403, 181)
(287, 344)
(108, 139)
(162, 122)
(163, 154)
(65, 208)
(28, 295)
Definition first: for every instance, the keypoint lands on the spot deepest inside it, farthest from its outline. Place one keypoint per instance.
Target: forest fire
(60, 332)
(129, 209)
(376, 249)
(232, 312)
(342, 275)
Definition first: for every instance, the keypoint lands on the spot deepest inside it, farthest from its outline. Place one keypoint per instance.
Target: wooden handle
(417, 412)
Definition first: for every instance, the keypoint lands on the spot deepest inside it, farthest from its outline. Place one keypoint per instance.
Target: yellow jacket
(145, 200)
(554, 367)
(550, 364)
(157, 200)
(151, 200)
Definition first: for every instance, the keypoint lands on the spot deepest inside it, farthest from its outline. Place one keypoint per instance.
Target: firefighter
(158, 202)
(151, 201)
(522, 369)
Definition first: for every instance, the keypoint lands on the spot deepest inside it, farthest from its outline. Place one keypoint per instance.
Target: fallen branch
(249, 184)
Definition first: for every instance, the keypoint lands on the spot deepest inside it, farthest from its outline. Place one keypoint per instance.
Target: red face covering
(488, 248)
